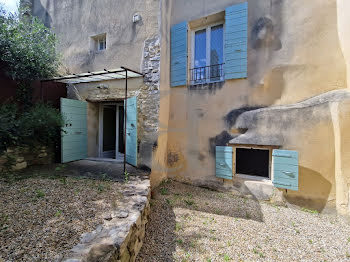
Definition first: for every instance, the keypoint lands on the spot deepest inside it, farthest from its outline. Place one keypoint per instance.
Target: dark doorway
(254, 162)
(109, 130)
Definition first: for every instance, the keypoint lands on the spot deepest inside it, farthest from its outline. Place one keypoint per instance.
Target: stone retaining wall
(18, 158)
(120, 237)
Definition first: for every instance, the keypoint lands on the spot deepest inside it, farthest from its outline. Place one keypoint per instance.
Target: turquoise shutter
(74, 135)
(131, 131)
(236, 41)
(224, 162)
(285, 169)
(178, 56)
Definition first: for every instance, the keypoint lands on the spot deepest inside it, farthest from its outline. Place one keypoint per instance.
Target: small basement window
(253, 162)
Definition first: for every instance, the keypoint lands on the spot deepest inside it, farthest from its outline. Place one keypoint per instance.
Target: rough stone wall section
(149, 99)
(14, 159)
(120, 237)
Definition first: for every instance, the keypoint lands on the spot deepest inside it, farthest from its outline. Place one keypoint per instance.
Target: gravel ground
(194, 224)
(43, 213)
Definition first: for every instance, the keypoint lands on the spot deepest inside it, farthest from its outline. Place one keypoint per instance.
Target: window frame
(103, 40)
(207, 53)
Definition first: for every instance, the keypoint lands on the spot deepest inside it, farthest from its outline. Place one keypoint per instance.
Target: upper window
(99, 42)
(208, 54)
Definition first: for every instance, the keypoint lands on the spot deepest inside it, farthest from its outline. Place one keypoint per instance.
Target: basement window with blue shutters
(208, 54)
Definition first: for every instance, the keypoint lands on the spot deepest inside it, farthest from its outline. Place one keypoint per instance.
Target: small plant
(104, 176)
(178, 227)
(247, 215)
(297, 231)
(39, 193)
(64, 180)
(226, 257)
(189, 202)
(179, 241)
(310, 241)
(58, 213)
(208, 259)
(349, 240)
(126, 176)
(309, 210)
(169, 201)
(163, 191)
(100, 188)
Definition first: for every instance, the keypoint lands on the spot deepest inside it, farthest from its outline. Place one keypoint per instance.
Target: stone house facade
(282, 90)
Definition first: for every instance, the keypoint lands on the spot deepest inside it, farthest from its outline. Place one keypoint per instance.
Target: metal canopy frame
(113, 74)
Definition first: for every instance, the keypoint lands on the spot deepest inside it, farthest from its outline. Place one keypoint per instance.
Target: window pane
(200, 55)
(200, 49)
(216, 45)
(216, 51)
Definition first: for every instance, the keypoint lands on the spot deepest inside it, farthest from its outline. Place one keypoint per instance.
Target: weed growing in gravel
(58, 213)
(310, 241)
(100, 188)
(60, 167)
(126, 177)
(179, 241)
(349, 240)
(39, 193)
(309, 210)
(189, 202)
(169, 201)
(64, 180)
(208, 259)
(104, 177)
(226, 257)
(163, 191)
(178, 227)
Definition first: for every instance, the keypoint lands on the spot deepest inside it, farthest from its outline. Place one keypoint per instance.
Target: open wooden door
(74, 136)
(131, 131)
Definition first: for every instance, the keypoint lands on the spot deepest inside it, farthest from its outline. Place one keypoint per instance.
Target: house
(250, 96)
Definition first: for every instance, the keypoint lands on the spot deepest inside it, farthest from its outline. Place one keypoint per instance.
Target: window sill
(264, 180)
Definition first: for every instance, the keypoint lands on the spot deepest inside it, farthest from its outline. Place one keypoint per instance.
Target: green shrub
(40, 125)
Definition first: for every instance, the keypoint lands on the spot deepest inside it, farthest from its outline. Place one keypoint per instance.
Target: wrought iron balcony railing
(206, 74)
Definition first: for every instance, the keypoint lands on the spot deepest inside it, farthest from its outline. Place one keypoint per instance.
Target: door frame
(100, 128)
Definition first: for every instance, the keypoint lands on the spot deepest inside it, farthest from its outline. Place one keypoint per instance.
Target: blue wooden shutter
(285, 169)
(178, 66)
(131, 131)
(236, 41)
(74, 135)
(224, 162)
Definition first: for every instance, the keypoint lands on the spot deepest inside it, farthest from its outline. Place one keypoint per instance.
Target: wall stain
(263, 35)
(208, 88)
(231, 118)
(220, 140)
(172, 158)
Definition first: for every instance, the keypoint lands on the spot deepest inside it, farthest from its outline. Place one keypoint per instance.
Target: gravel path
(194, 224)
(43, 215)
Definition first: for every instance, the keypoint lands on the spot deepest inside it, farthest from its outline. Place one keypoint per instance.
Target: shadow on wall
(311, 183)
(174, 204)
(41, 12)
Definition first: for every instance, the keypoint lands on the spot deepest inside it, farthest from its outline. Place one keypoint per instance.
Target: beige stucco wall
(75, 22)
(309, 56)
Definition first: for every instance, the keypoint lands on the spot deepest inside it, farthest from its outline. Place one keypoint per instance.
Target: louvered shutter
(236, 41)
(223, 163)
(178, 45)
(285, 169)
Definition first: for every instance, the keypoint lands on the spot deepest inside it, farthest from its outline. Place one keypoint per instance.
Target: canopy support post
(125, 114)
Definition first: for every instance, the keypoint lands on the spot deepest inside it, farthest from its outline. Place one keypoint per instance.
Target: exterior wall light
(135, 18)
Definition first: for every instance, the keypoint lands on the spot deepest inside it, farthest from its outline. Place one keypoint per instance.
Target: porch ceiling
(118, 73)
